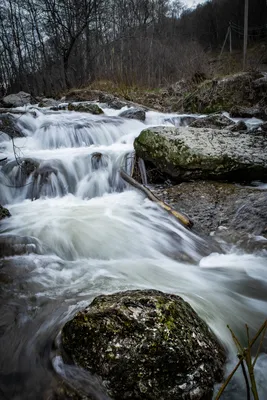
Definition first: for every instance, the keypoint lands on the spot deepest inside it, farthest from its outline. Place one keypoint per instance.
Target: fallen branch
(182, 218)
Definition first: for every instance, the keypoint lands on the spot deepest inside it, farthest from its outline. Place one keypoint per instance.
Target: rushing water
(91, 234)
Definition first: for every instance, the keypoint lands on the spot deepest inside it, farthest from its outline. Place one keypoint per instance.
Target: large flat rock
(188, 153)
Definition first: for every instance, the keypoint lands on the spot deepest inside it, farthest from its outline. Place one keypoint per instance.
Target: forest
(48, 46)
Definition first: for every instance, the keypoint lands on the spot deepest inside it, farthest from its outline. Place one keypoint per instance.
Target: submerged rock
(134, 113)
(14, 245)
(146, 344)
(88, 108)
(184, 154)
(4, 212)
(17, 100)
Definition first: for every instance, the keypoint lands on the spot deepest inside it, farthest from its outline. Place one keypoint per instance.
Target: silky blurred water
(97, 236)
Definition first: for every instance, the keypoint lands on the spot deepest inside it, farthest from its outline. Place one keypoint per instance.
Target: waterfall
(97, 235)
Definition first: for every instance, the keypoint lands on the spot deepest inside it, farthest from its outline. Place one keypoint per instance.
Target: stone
(14, 245)
(214, 121)
(4, 212)
(17, 100)
(88, 108)
(247, 89)
(248, 112)
(8, 125)
(134, 113)
(187, 153)
(48, 103)
(146, 344)
(210, 205)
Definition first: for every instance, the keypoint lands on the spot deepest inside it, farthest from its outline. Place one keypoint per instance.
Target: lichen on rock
(146, 344)
(189, 153)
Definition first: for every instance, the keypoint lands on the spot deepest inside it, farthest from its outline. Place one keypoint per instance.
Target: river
(89, 234)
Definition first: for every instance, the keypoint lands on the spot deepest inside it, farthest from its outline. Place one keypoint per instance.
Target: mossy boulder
(4, 212)
(246, 89)
(186, 153)
(88, 108)
(146, 344)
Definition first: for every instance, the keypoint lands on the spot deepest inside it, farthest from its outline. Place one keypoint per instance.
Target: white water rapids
(95, 236)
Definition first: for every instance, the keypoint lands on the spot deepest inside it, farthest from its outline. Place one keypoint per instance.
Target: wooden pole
(245, 35)
(230, 37)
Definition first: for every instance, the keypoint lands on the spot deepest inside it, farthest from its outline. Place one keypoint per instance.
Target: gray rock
(145, 344)
(8, 125)
(248, 112)
(180, 120)
(88, 108)
(210, 205)
(193, 153)
(48, 103)
(134, 113)
(17, 100)
(13, 245)
(214, 121)
(4, 213)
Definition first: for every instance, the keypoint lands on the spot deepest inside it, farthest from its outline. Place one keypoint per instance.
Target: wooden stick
(182, 218)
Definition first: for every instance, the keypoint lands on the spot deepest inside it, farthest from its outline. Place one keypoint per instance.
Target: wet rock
(246, 89)
(236, 213)
(184, 154)
(20, 170)
(180, 120)
(112, 101)
(248, 112)
(215, 121)
(17, 100)
(14, 245)
(238, 127)
(88, 108)
(8, 125)
(134, 113)
(146, 345)
(48, 103)
(4, 212)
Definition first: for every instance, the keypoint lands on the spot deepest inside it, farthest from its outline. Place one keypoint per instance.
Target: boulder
(247, 89)
(212, 205)
(184, 154)
(214, 121)
(180, 120)
(8, 125)
(112, 101)
(14, 245)
(4, 213)
(134, 113)
(17, 100)
(48, 103)
(146, 344)
(88, 108)
(248, 112)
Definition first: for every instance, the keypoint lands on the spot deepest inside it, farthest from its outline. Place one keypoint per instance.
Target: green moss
(4, 213)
